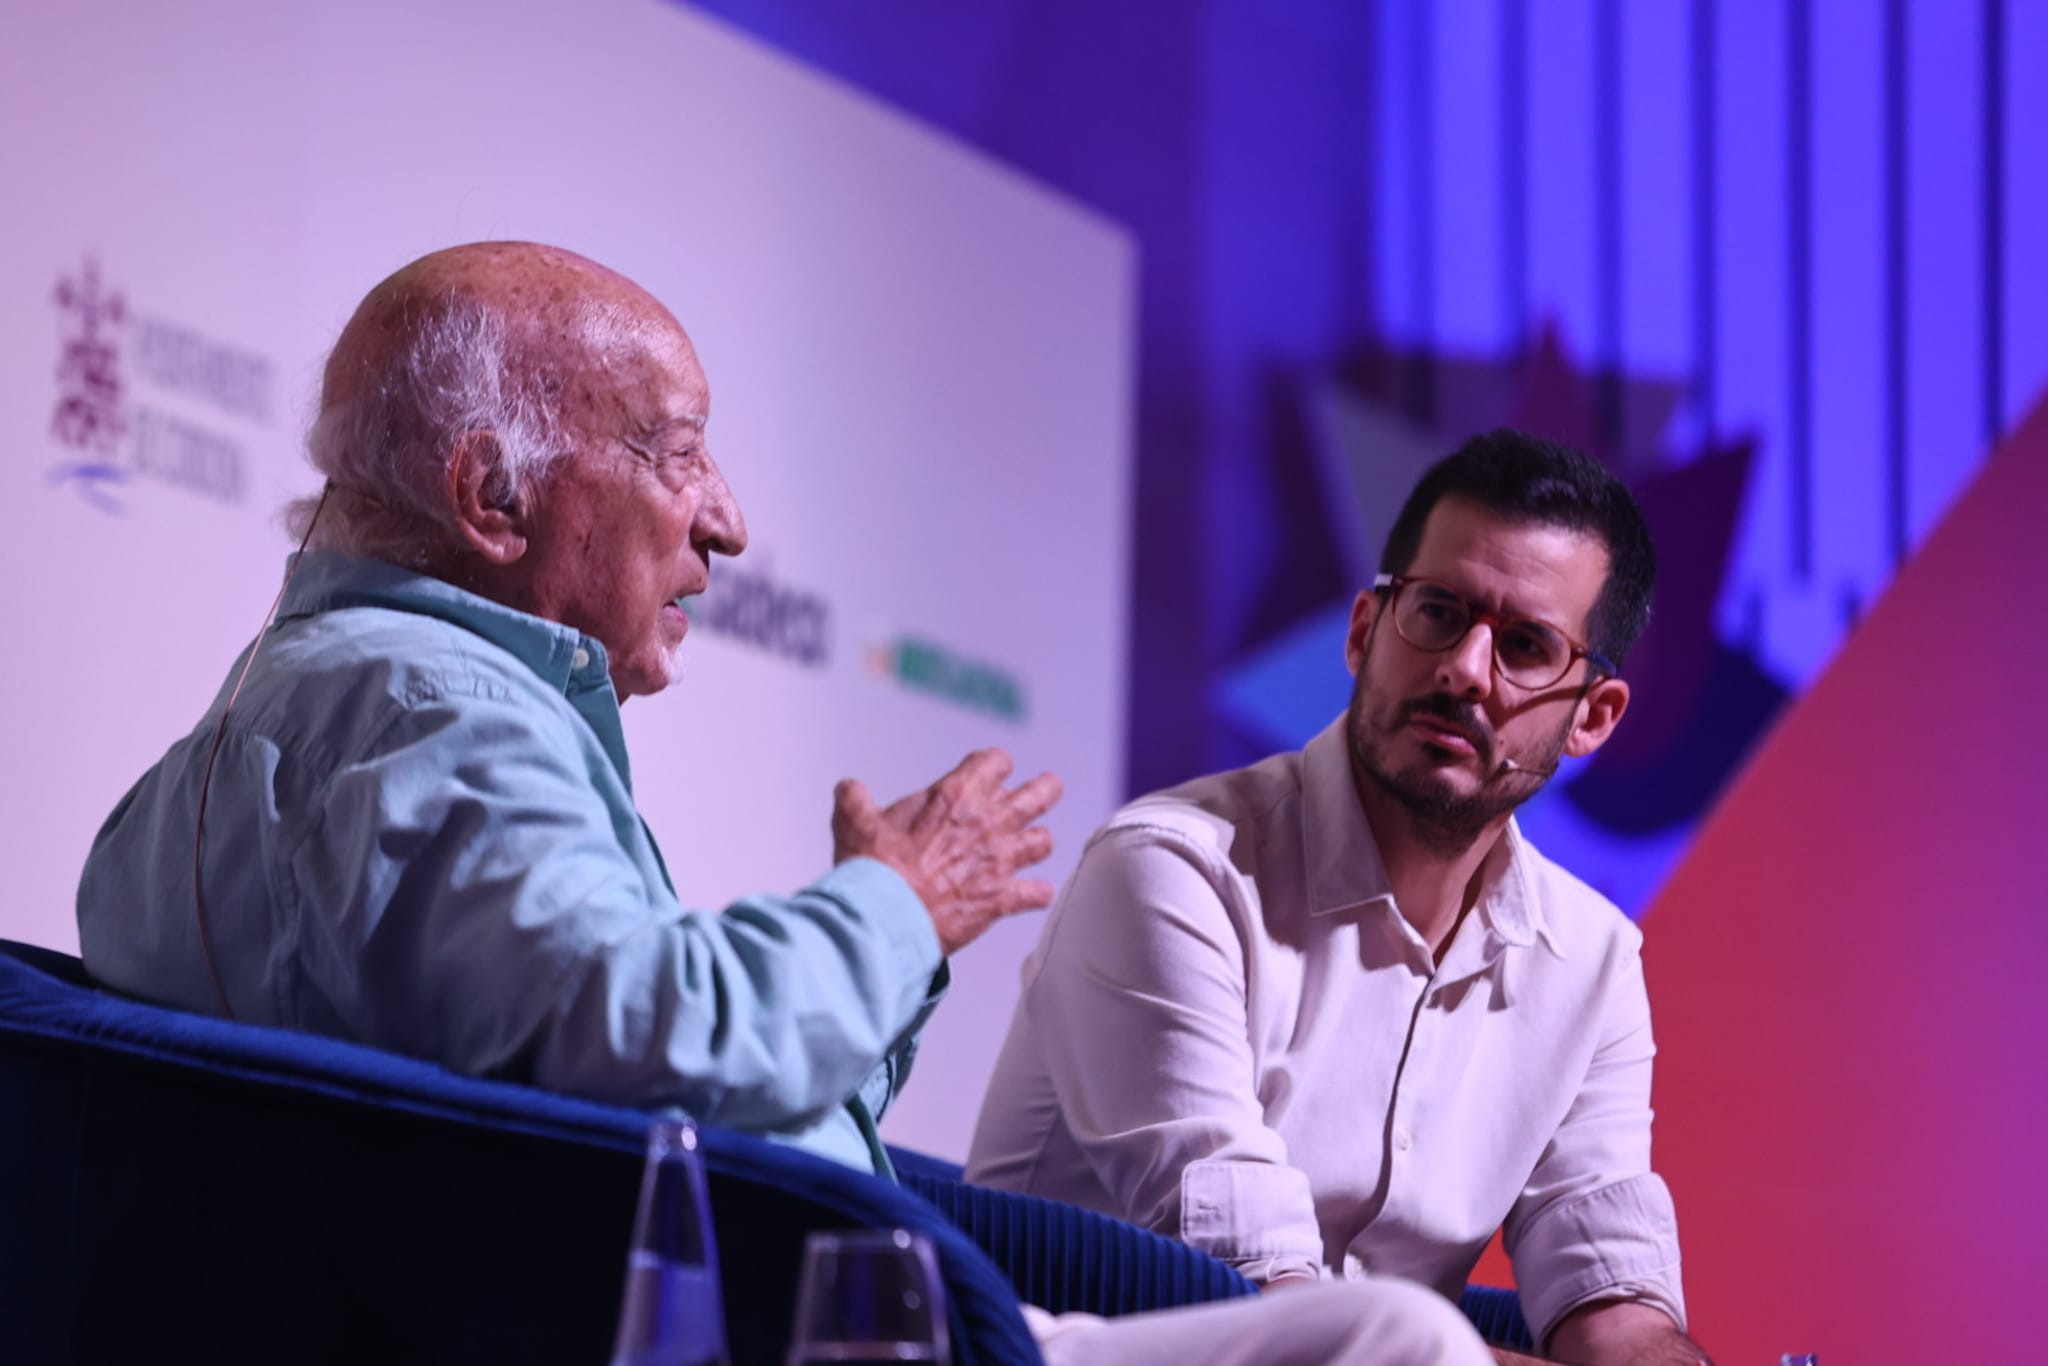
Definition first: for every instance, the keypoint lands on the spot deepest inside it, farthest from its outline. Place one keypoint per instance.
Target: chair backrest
(175, 1188)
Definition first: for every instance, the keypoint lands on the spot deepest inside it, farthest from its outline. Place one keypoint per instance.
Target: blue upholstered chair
(178, 1189)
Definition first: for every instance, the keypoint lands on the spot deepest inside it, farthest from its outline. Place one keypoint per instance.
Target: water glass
(869, 1295)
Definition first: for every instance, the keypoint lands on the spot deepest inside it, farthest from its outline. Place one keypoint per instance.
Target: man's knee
(1334, 1323)
(1400, 1321)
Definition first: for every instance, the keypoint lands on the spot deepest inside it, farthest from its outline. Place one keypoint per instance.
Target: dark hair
(1524, 478)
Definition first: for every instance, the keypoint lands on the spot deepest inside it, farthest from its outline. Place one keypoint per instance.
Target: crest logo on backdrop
(144, 398)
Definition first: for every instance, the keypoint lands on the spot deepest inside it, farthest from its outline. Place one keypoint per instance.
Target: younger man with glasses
(1331, 1016)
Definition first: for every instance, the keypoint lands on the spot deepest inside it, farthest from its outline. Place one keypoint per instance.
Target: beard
(1442, 818)
(672, 665)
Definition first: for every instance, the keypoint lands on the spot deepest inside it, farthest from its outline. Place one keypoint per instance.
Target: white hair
(385, 453)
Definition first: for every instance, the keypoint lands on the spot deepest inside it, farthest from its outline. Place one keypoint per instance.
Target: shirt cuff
(879, 892)
(1255, 1217)
(1619, 1242)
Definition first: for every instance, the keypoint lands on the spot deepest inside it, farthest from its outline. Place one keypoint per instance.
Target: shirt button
(581, 659)
(1403, 1140)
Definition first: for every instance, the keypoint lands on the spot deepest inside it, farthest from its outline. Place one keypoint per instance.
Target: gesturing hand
(958, 843)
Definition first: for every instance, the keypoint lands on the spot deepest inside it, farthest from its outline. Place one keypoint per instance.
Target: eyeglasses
(1528, 653)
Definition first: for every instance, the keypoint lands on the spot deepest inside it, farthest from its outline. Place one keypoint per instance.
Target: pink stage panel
(1846, 972)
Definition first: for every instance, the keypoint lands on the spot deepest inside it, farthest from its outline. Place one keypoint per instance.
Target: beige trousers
(1378, 1322)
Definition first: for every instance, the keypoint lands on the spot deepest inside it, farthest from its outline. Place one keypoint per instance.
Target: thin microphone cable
(219, 734)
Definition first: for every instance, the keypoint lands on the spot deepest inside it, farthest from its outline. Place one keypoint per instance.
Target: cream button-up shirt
(1229, 1034)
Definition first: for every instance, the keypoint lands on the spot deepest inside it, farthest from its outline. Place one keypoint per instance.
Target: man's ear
(487, 510)
(1364, 608)
(1598, 714)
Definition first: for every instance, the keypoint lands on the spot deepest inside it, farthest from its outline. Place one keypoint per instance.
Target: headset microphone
(1508, 766)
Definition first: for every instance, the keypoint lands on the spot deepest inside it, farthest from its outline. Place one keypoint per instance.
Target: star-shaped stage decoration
(1698, 704)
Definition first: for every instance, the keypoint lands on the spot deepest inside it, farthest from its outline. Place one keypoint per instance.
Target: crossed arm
(1607, 1333)
(1616, 1333)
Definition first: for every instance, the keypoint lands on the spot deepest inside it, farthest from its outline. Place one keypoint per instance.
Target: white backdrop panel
(921, 369)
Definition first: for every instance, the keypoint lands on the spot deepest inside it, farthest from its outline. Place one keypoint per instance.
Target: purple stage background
(1779, 262)
(1776, 261)
(1770, 258)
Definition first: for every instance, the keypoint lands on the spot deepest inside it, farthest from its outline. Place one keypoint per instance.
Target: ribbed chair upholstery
(1062, 1258)
(1497, 1314)
(178, 1189)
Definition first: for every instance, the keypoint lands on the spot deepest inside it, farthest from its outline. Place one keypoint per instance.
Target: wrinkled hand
(959, 843)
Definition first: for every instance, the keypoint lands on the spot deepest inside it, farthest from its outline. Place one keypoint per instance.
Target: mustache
(1463, 716)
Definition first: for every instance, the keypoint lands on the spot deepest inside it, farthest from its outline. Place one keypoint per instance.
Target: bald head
(532, 344)
(529, 425)
(552, 302)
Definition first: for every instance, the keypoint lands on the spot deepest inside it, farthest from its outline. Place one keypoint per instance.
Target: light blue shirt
(421, 835)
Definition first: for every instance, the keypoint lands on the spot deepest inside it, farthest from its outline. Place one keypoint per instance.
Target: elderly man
(1359, 1022)
(408, 819)
(415, 811)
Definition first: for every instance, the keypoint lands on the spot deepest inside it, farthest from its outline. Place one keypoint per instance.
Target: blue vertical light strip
(1393, 161)
(1659, 223)
(2023, 198)
(1421, 376)
(1993, 135)
(1607, 224)
(1752, 347)
(1897, 379)
(1847, 348)
(1799, 285)
(1706, 218)
(1944, 239)
(1514, 164)
(1559, 228)
(1465, 126)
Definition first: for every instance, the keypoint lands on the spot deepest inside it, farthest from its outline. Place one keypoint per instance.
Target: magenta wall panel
(1846, 971)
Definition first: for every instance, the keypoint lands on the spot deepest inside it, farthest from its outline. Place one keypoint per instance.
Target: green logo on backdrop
(932, 668)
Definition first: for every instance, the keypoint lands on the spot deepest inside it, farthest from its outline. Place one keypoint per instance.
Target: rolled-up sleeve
(488, 915)
(1594, 1222)
(1138, 999)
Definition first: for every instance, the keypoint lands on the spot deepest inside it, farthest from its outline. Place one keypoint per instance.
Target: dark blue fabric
(1497, 1314)
(910, 1162)
(178, 1189)
(1062, 1258)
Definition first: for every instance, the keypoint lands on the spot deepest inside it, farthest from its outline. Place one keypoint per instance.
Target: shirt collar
(1510, 906)
(327, 581)
(1343, 861)
(1343, 865)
